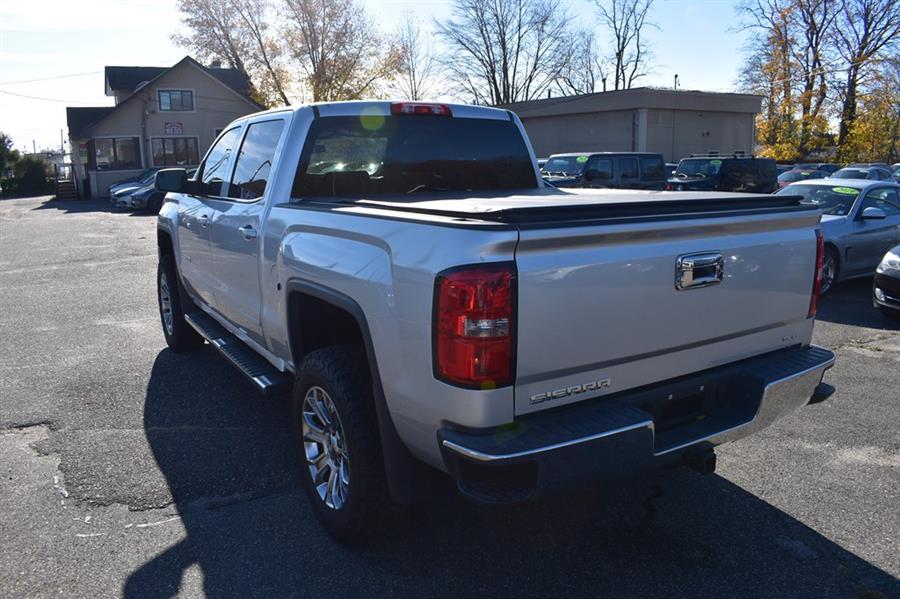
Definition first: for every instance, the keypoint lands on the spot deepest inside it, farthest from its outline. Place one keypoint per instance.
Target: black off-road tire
(342, 372)
(180, 336)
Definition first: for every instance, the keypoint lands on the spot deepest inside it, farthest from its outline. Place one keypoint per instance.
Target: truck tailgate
(600, 309)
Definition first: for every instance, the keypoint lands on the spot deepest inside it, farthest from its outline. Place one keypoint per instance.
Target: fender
(403, 471)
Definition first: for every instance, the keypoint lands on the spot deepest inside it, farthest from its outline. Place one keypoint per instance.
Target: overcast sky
(75, 40)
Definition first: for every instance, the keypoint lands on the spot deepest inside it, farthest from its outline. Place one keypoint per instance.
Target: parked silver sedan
(860, 222)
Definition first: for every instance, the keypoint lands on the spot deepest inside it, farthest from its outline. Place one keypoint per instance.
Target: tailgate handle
(699, 270)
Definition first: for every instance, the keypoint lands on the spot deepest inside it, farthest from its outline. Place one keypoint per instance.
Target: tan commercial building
(163, 117)
(673, 123)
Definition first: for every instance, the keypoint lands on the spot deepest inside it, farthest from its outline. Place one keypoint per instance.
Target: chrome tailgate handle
(699, 270)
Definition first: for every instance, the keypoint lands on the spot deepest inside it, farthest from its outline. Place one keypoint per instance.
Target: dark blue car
(725, 173)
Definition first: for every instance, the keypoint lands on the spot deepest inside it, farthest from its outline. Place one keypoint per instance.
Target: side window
(212, 171)
(735, 170)
(628, 167)
(885, 198)
(653, 168)
(602, 168)
(254, 161)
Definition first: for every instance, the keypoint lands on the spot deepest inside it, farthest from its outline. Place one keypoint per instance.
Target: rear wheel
(180, 336)
(830, 269)
(334, 424)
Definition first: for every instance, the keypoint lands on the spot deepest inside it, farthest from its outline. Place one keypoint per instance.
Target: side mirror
(176, 180)
(873, 213)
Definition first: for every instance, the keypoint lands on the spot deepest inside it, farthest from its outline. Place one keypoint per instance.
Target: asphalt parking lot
(130, 470)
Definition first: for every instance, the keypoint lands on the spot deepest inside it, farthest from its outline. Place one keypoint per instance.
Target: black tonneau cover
(552, 205)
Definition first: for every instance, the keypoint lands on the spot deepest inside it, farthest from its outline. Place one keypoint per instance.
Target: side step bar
(269, 380)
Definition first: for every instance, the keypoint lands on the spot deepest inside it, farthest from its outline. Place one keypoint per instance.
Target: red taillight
(473, 325)
(422, 108)
(817, 281)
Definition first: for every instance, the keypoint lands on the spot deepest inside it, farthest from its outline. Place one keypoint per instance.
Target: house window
(115, 154)
(175, 151)
(174, 100)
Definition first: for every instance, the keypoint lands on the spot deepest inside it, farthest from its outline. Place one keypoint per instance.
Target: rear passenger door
(236, 237)
(629, 175)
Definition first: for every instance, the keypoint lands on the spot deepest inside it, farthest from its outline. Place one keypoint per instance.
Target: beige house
(163, 117)
(673, 123)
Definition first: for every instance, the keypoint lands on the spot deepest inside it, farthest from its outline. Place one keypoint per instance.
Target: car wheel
(154, 204)
(334, 425)
(180, 336)
(830, 269)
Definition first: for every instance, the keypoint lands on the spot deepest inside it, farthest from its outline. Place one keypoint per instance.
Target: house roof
(129, 78)
(80, 118)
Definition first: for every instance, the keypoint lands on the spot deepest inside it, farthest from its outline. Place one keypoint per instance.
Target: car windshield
(352, 156)
(837, 200)
(850, 173)
(565, 165)
(698, 167)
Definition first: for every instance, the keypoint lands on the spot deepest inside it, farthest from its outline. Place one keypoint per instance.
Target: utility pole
(62, 147)
(33, 147)
(676, 82)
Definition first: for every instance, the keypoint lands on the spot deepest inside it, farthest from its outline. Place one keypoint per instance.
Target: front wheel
(830, 270)
(334, 424)
(180, 336)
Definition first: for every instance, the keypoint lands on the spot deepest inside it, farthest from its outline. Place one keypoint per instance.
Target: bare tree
(236, 32)
(626, 20)
(867, 32)
(213, 33)
(338, 52)
(415, 80)
(503, 51)
(815, 20)
(585, 68)
(789, 60)
(251, 16)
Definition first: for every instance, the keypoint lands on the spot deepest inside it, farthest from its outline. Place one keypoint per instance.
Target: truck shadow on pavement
(229, 463)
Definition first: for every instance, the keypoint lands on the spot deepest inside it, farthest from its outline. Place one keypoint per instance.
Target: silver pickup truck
(403, 273)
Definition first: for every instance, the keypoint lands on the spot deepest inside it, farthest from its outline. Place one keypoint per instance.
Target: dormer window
(176, 100)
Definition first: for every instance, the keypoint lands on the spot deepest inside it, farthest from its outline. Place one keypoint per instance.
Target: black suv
(622, 170)
(725, 173)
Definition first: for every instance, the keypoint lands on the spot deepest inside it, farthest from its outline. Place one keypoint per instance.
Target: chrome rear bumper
(625, 432)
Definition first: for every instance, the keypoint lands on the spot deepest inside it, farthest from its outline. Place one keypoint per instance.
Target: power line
(49, 78)
(45, 99)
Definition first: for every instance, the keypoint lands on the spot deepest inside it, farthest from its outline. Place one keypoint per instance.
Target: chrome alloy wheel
(165, 304)
(323, 444)
(828, 272)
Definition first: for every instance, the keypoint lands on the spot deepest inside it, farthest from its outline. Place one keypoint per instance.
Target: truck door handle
(699, 270)
(247, 232)
(203, 220)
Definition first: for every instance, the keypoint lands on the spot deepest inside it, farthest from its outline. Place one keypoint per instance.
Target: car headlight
(891, 261)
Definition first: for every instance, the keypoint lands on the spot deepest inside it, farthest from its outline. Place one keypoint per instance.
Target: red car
(792, 176)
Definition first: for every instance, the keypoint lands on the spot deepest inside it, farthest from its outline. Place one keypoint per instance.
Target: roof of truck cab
(357, 107)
